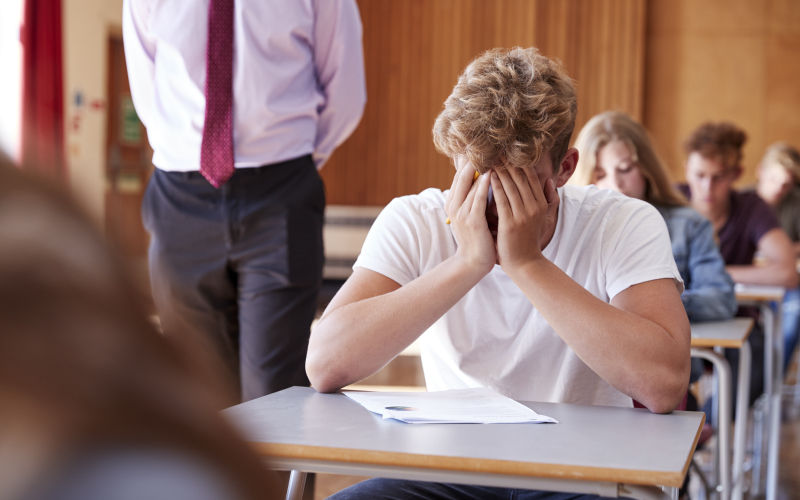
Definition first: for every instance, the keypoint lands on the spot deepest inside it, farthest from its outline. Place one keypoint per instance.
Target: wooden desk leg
(740, 439)
(723, 370)
(297, 481)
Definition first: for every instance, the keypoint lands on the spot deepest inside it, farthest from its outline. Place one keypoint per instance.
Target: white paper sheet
(458, 406)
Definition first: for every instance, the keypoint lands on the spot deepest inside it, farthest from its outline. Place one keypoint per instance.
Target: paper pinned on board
(457, 406)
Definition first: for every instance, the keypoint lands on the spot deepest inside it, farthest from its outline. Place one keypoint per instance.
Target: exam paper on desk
(457, 406)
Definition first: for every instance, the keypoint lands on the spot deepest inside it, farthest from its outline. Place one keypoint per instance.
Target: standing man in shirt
(243, 102)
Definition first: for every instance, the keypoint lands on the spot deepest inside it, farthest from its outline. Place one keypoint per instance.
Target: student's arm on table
(639, 343)
(780, 268)
(372, 318)
(709, 296)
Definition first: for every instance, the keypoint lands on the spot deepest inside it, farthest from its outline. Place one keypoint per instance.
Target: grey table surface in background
(593, 443)
(731, 333)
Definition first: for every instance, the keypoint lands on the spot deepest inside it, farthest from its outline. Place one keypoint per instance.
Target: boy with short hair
(542, 292)
(745, 224)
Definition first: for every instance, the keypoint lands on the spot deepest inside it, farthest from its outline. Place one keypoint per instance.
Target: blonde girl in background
(617, 153)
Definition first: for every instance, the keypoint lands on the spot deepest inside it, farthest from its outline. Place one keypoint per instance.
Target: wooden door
(128, 165)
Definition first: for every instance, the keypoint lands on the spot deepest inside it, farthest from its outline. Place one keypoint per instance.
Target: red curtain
(42, 90)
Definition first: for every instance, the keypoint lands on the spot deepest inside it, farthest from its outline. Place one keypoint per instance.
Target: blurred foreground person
(779, 185)
(95, 403)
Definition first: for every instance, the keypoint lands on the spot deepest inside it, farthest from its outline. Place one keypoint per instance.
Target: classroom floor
(405, 373)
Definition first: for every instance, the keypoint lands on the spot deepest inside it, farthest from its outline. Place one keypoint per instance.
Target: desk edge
(486, 466)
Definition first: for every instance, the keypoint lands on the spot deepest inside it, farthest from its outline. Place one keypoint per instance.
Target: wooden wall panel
(415, 49)
(736, 60)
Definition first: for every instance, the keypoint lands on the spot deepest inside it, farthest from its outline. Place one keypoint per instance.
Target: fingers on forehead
(500, 196)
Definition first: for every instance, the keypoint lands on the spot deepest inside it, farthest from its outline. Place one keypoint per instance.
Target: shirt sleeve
(140, 52)
(394, 244)
(339, 59)
(709, 294)
(762, 219)
(637, 249)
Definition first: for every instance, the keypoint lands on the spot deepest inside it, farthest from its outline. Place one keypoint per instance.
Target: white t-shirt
(494, 337)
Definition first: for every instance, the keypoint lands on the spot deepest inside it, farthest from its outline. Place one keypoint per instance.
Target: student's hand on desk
(466, 208)
(525, 211)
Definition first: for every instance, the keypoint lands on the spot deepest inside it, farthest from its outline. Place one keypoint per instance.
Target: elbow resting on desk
(667, 391)
(325, 376)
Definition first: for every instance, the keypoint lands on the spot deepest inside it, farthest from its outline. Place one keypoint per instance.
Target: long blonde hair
(785, 156)
(613, 126)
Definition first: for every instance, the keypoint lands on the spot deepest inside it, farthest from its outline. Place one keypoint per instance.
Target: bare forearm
(358, 339)
(772, 274)
(635, 355)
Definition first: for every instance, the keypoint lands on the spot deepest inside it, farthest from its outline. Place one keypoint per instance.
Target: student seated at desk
(617, 153)
(745, 224)
(778, 185)
(543, 291)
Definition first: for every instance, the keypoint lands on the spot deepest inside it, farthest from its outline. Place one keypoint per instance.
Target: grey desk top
(731, 333)
(592, 443)
(759, 293)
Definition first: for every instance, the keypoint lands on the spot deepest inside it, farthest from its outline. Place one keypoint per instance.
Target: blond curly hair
(508, 108)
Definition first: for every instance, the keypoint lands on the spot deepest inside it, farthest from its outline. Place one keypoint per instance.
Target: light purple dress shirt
(298, 77)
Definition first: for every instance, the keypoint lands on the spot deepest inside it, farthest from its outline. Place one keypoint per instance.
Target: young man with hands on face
(545, 293)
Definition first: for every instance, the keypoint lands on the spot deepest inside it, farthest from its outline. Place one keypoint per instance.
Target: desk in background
(731, 335)
(765, 298)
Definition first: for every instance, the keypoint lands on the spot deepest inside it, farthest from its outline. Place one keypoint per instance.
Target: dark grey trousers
(241, 265)
(398, 489)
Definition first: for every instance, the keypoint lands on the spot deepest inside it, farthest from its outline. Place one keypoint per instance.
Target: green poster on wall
(131, 127)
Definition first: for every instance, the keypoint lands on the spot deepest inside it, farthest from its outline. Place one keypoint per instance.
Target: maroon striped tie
(216, 151)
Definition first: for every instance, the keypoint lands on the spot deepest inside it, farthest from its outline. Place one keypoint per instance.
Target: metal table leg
(770, 330)
(297, 481)
(759, 417)
(671, 492)
(740, 438)
(723, 370)
(768, 319)
(775, 406)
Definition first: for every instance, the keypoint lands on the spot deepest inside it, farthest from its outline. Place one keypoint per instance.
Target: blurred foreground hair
(82, 369)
